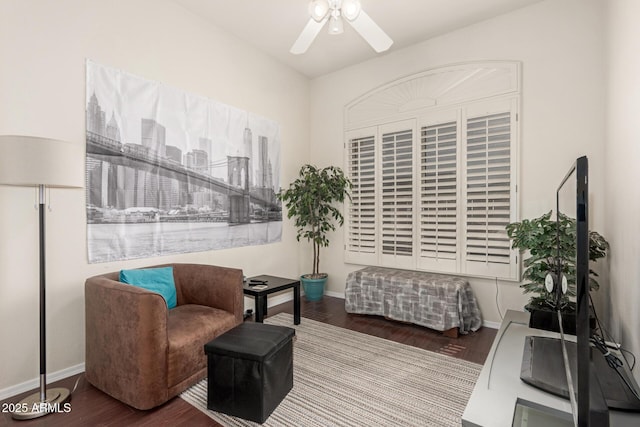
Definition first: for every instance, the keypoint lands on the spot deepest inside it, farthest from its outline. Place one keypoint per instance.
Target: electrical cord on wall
(497, 304)
(623, 351)
(76, 384)
(608, 335)
(612, 360)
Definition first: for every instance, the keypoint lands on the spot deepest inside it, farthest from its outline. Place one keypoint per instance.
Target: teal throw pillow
(159, 280)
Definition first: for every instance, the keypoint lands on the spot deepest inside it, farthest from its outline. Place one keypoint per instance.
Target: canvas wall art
(171, 172)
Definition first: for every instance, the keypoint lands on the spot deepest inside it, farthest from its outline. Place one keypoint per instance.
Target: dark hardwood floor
(91, 407)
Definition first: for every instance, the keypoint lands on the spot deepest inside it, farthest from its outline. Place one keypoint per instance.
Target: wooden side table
(273, 284)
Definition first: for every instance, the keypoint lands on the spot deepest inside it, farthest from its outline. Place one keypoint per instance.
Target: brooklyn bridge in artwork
(152, 173)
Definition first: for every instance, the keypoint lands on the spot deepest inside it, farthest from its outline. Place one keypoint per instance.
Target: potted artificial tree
(542, 237)
(311, 199)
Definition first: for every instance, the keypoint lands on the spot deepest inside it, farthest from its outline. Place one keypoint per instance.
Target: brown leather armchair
(143, 354)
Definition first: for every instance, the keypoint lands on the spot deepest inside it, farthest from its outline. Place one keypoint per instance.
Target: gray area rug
(346, 378)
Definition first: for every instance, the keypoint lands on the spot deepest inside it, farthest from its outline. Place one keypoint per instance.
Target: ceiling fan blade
(371, 32)
(307, 36)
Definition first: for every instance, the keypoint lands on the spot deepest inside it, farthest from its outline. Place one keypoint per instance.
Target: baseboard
(278, 299)
(335, 294)
(288, 297)
(492, 325)
(32, 384)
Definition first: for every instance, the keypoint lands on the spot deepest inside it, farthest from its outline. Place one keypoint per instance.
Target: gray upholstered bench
(437, 301)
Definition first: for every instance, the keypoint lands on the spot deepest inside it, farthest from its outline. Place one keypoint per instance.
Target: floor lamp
(41, 163)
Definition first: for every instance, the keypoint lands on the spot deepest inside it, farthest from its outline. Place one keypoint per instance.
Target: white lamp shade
(33, 161)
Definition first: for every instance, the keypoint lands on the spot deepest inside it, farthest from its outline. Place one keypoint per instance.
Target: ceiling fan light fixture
(322, 11)
(350, 9)
(335, 25)
(318, 9)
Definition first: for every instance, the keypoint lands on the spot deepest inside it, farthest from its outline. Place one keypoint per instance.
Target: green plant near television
(311, 199)
(542, 237)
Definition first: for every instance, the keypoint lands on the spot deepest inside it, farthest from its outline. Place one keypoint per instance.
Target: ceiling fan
(333, 11)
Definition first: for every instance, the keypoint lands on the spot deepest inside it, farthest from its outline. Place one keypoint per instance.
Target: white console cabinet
(499, 388)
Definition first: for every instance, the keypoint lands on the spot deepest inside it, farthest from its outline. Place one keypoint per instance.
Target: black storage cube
(250, 370)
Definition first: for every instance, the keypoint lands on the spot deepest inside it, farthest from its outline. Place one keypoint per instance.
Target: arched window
(433, 160)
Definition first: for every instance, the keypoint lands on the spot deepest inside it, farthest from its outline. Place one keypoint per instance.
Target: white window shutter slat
(438, 240)
(361, 224)
(397, 198)
(488, 198)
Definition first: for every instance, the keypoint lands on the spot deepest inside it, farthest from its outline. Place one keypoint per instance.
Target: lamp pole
(45, 401)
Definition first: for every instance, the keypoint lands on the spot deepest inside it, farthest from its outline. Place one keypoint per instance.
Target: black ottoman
(250, 370)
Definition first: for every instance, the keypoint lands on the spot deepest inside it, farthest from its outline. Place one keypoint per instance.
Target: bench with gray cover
(436, 301)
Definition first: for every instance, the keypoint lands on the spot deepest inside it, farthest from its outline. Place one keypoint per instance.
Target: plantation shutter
(397, 194)
(489, 194)
(435, 192)
(361, 211)
(438, 234)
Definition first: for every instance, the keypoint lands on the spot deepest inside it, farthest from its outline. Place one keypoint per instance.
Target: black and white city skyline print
(170, 172)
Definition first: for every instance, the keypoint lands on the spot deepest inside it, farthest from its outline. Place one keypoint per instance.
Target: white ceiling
(273, 25)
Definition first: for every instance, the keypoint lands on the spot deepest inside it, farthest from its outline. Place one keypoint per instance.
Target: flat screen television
(561, 366)
(572, 200)
(593, 377)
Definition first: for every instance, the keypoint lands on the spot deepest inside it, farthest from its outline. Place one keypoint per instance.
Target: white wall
(560, 46)
(43, 47)
(622, 167)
